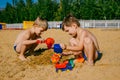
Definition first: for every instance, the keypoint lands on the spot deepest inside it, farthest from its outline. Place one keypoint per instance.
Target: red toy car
(66, 65)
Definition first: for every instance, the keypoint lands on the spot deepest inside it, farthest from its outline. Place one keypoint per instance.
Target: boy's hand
(38, 41)
(63, 46)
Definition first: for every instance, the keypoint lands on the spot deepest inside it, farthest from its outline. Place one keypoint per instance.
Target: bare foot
(21, 57)
(90, 63)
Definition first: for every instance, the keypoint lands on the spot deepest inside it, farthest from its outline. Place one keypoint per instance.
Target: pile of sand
(40, 68)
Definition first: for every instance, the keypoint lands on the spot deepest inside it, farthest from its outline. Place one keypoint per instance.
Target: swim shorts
(15, 47)
(98, 58)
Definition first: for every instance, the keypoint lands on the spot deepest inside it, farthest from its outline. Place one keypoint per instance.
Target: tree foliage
(21, 10)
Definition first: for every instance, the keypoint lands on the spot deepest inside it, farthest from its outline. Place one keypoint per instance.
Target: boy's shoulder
(81, 31)
(25, 32)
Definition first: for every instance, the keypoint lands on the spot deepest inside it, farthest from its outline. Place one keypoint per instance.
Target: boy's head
(70, 25)
(39, 22)
(69, 21)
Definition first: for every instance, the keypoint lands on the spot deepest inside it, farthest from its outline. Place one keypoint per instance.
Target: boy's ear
(36, 22)
(37, 19)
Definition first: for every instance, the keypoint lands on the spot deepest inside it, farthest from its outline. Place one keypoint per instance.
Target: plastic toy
(49, 42)
(61, 65)
(55, 58)
(79, 60)
(71, 61)
(57, 48)
(65, 66)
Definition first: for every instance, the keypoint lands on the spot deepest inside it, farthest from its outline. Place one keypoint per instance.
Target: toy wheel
(67, 70)
(59, 71)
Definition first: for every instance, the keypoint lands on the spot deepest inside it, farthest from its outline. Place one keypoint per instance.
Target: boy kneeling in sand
(83, 43)
(28, 39)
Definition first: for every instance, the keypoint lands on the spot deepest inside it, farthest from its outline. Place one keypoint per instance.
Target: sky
(3, 3)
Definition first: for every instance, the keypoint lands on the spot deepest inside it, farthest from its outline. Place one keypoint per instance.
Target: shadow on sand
(36, 52)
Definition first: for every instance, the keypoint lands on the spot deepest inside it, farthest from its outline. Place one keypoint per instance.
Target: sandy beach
(40, 68)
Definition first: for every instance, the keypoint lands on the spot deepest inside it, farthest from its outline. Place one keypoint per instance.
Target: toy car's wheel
(59, 71)
(67, 70)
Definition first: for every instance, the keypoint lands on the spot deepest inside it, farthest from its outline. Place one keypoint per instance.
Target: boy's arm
(37, 41)
(79, 47)
(27, 42)
(75, 48)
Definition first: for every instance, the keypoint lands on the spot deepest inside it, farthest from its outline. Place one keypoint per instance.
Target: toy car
(65, 66)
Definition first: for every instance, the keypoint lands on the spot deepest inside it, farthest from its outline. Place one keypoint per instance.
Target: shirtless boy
(82, 42)
(28, 39)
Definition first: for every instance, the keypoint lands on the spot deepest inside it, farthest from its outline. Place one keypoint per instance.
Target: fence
(100, 23)
(84, 24)
(14, 26)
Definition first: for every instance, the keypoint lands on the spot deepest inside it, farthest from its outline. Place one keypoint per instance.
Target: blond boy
(83, 41)
(28, 39)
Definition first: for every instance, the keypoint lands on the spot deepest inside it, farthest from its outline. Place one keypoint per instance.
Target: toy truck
(65, 66)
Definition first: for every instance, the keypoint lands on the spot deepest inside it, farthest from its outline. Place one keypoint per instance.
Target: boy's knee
(88, 41)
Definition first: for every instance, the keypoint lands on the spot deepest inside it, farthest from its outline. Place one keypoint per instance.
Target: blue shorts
(98, 58)
(15, 47)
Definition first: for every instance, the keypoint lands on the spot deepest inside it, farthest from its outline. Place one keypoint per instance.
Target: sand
(40, 68)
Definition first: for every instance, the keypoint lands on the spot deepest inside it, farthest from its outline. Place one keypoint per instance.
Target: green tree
(28, 8)
(58, 13)
(9, 13)
(20, 10)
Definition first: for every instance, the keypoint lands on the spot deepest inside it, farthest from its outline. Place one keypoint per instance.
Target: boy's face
(39, 30)
(72, 30)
